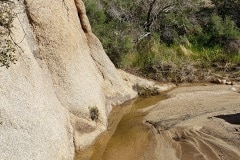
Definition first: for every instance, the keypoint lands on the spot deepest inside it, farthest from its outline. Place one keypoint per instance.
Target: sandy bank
(199, 122)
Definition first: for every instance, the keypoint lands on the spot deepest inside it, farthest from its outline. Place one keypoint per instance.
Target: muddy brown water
(126, 137)
(210, 132)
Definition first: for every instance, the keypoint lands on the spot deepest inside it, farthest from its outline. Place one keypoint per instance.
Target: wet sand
(187, 123)
(200, 122)
(126, 137)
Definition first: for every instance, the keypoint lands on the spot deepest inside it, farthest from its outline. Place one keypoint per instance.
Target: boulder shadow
(230, 118)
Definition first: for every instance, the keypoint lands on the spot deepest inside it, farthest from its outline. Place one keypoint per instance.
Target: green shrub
(7, 53)
(182, 43)
(216, 32)
(113, 33)
(94, 113)
(7, 46)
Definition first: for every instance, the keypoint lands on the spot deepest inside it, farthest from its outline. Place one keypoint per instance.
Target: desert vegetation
(7, 46)
(94, 113)
(170, 40)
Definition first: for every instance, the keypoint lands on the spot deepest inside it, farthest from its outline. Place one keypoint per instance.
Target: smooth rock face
(61, 71)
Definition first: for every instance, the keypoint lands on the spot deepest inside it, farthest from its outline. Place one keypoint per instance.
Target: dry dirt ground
(196, 123)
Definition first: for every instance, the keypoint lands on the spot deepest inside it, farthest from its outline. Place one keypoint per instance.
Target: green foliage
(221, 29)
(172, 39)
(7, 46)
(209, 56)
(94, 113)
(6, 14)
(7, 50)
(215, 32)
(113, 33)
(229, 8)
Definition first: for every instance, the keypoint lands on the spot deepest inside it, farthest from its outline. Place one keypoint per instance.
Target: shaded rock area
(230, 118)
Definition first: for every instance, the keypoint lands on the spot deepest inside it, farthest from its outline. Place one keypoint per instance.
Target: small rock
(219, 81)
(234, 89)
(216, 81)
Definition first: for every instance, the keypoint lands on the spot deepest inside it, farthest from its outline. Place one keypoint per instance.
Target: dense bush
(184, 35)
(113, 33)
(215, 32)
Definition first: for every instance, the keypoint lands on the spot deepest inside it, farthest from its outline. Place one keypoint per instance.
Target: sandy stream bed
(192, 123)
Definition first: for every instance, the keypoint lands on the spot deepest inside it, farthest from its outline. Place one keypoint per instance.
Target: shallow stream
(126, 137)
(199, 122)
